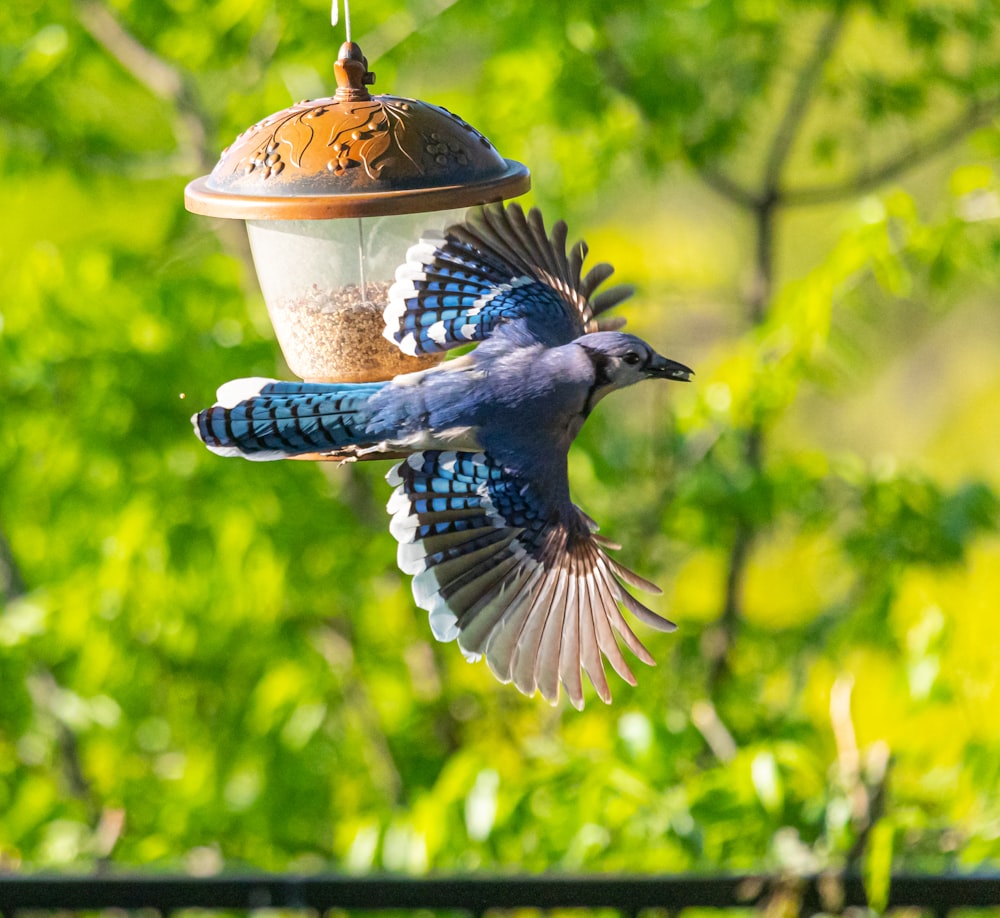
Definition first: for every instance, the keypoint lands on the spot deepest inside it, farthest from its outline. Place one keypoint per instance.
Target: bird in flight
(502, 559)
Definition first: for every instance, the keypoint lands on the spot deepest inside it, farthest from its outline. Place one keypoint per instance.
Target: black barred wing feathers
(523, 583)
(498, 266)
(269, 419)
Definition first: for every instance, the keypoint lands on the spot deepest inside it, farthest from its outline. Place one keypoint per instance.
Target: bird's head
(621, 360)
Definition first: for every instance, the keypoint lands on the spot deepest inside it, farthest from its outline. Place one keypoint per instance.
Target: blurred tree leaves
(210, 663)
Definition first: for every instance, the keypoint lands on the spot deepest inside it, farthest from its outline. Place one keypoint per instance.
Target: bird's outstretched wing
(499, 265)
(514, 578)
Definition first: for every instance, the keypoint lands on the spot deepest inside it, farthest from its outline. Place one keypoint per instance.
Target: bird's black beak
(663, 368)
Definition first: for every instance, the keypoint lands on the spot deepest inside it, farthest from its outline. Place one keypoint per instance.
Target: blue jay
(502, 559)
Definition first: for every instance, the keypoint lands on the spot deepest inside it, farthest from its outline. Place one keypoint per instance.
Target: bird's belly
(457, 438)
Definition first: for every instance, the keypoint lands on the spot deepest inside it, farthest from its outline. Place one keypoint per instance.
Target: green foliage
(209, 663)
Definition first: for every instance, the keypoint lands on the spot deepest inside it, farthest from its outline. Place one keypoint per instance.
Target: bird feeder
(333, 192)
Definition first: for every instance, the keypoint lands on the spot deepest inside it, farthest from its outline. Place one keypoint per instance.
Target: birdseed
(336, 335)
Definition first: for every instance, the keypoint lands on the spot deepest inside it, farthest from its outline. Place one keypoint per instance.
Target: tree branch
(799, 101)
(728, 187)
(44, 689)
(194, 125)
(161, 78)
(763, 207)
(739, 556)
(978, 114)
(787, 131)
(11, 582)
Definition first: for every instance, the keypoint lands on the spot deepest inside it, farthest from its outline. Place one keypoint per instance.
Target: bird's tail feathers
(263, 419)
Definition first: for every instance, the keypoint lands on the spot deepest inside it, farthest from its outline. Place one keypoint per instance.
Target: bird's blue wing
(498, 266)
(514, 578)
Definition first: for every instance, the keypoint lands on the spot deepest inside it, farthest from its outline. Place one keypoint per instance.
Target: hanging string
(334, 19)
(335, 15)
(361, 262)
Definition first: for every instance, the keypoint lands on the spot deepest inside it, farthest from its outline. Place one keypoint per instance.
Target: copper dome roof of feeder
(355, 155)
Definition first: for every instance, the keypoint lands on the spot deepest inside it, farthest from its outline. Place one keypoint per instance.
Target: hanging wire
(361, 262)
(335, 15)
(334, 19)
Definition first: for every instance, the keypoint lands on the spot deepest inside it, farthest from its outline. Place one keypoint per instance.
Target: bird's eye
(631, 358)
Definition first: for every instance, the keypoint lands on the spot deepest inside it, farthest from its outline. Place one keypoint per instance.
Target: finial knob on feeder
(352, 74)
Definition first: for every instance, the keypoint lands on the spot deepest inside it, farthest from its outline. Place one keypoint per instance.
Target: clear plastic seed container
(326, 284)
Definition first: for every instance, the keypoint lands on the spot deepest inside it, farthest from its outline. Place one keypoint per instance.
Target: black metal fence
(936, 895)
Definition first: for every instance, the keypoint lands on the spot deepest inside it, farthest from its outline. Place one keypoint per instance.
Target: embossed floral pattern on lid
(355, 154)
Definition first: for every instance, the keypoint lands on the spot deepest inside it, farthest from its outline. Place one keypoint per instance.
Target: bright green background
(209, 663)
